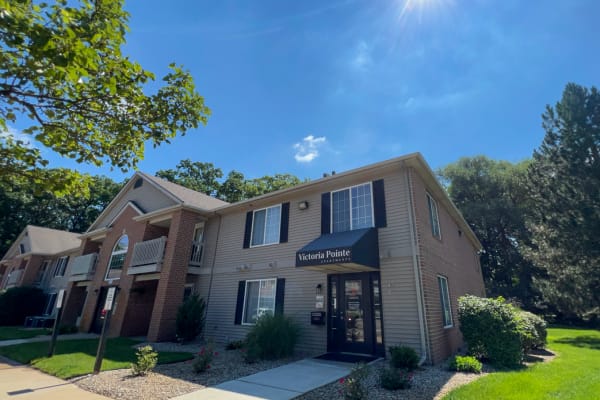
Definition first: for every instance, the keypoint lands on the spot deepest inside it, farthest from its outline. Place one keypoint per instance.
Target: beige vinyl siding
(234, 263)
(146, 197)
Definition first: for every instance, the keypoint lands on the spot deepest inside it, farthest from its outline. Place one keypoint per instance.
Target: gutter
(416, 270)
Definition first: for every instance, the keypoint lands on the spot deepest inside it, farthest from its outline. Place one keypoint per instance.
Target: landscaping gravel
(170, 380)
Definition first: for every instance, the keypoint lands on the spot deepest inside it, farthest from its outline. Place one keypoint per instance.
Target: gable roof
(45, 241)
(186, 196)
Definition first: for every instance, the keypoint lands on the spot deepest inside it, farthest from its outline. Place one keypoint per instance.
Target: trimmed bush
(394, 379)
(20, 302)
(533, 331)
(465, 364)
(146, 361)
(491, 329)
(272, 337)
(190, 318)
(404, 357)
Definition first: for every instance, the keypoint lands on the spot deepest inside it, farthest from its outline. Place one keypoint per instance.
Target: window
(117, 258)
(61, 266)
(42, 271)
(259, 299)
(445, 301)
(51, 300)
(22, 248)
(197, 245)
(266, 226)
(352, 208)
(433, 217)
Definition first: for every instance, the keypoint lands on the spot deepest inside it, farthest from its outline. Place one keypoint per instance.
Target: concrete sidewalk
(46, 338)
(20, 382)
(282, 383)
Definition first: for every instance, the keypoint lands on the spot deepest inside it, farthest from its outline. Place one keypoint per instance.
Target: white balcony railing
(147, 256)
(197, 250)
(83, 267)
(14, 277)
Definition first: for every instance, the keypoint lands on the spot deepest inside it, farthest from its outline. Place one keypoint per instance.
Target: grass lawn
(76, 357)
(18, 332)
(573, 374)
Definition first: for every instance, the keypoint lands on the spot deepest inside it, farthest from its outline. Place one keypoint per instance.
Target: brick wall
(454, 257)
(31, 270)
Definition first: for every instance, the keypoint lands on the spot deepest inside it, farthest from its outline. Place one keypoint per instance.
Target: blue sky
(311, 86)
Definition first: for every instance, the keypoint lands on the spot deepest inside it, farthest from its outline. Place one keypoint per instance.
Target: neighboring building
(40, 257)
(362, 260)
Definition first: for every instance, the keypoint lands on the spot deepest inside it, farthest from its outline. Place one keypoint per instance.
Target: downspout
(416, 270)
(212, 268)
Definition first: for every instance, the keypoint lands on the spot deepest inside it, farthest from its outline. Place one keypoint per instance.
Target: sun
(419, 7)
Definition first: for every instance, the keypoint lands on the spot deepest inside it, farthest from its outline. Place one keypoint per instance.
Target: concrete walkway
(20, 382)
(282, 383)
(46, 338)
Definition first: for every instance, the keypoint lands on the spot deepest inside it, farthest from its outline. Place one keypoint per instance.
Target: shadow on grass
(590, 342)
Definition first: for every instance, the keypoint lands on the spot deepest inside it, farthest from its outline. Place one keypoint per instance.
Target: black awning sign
(318, 257)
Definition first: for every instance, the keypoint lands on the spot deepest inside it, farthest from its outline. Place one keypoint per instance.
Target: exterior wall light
(319, 289)
(303, 205)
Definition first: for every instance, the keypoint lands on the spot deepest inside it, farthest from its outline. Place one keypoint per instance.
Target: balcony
(83, 268)
(197, 250)
(147, 256)
(14, 277)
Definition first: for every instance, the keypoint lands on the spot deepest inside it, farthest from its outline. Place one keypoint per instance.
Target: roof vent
(138, 183)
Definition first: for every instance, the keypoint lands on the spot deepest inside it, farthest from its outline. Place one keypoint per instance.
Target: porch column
(169, 293)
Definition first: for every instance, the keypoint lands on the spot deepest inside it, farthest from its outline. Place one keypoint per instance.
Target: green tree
(564, 182)
(267, 184)
(63, 75)
(492, 196)
(199, 176)
(233, 188)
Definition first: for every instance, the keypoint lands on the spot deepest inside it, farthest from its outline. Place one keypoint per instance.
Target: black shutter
(279, 295)
(379, 204)
(326, 213)
(239, 308)
(248, 229)
(285, 223)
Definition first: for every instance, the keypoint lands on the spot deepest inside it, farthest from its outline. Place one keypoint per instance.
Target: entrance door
(352, 311)
(98, 320)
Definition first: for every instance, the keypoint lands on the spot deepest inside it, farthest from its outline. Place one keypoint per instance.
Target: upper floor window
(117, 258)
(352, 208)
(22, 248)
(445, 301)
(266, 226)
(434, 217)
(61, 266)
(197, 245)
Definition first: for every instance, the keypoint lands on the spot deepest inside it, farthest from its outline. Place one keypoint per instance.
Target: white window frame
(114, 253)
(198, 243)
(445, 301)
(265, 232)
(61, 266)
(257, 307)
(349, 189)
(434, 209)
(50, 303)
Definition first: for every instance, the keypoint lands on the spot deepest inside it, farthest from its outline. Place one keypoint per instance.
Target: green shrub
(491, 329)
(465, 364)
(395, 378)
(235, 345)
(353, 387)
(203, 359)
(272, 337)
(146, 359)
(20, 302)
(190, 318)
(533, 331)
(404, 357)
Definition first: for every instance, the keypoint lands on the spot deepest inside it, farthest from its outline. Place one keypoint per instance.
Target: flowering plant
(353, 386)
(203, 359)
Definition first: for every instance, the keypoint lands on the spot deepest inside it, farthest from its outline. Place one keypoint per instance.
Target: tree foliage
(493, 198)
(564, 183)
(206, 178)
(63, 74)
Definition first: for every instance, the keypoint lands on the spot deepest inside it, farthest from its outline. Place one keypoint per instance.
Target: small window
(188, 291)
(259, 299)
(434, 217)
(117, 258)
(197, 245)
(61, 266)
(22, 248)
(138, 183)
(266, 226)
(352, 208)
(445, 301)
(50, 302)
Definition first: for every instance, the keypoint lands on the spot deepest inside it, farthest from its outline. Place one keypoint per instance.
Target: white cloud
(362, 56)
(15, 134)
(308, 149)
